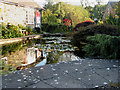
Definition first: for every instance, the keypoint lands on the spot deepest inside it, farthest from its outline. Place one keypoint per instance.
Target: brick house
(23, 12)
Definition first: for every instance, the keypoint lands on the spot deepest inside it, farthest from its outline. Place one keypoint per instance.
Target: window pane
(30, 16)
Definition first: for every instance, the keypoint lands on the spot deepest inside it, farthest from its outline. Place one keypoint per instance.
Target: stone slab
(85, 73)
(43, 72)
(40, 85)
(65, 82)
(110, 74)
(17, 80)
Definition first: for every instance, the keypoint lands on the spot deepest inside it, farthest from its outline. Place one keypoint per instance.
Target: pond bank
(12, 40)
(83, 73)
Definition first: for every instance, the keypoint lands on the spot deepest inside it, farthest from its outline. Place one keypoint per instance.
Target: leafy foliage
(7, 67)
(103, 45)
(83, 24)
(97, 11)
(112, 20)
(116, 8)
(55, 28)
(63, 10)
(49, 5)
(12, 31)
(79, 38)
(67, 22)
(28, 29)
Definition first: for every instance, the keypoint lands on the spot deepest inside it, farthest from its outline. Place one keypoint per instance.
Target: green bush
(102, 45)
(5, 32)
(52, 19)
(79, 38)
(10, 31)
(56, 28)
(22, 27)
(28, 29)
(113, 20)
(13, 27)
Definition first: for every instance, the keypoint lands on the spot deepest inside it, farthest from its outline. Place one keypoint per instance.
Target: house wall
(14, 14)
(18, 15)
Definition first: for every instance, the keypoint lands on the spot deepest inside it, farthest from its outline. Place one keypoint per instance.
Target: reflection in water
(68, 57)
(34, 53)
(17, 54)
(44, 54)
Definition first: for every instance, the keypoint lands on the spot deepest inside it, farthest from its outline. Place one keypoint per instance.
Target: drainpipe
(40, 18)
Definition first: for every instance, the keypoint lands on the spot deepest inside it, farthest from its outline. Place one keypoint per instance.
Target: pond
(38, 52)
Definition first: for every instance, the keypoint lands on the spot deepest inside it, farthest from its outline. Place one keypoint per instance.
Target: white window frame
(2, 7)
(28, 11)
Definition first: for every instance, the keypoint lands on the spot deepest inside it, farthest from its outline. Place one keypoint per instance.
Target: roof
(30, 3)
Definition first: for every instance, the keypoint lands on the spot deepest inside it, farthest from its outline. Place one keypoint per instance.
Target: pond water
(38, 52)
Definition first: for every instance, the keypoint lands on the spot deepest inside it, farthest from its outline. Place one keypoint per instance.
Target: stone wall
(16, 15)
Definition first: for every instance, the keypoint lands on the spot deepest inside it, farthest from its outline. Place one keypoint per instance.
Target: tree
(116, 8)
(48, 5)
(90, 9)
(99, 2)
(97, 11)
(62, 10)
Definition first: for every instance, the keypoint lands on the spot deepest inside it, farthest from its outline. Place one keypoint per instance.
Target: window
(30, 16)
(1, 13)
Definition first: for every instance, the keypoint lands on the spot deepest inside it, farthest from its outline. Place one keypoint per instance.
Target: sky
(76, 2)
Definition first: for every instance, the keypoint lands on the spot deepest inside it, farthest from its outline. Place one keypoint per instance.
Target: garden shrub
(83, 24)
(113, 20)
(10, 31)
(55, 28)
(50, 27)
(5, 32)
(79, 38)
(28, 29)
(103, 45)
(22, 27)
